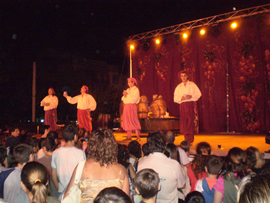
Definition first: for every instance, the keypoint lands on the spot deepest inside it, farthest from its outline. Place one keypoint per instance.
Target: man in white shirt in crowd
(171, 174)
(66, 158)
(186, 94)
(85, 104)
(50, 104)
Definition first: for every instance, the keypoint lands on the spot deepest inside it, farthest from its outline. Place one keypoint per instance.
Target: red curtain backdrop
(224, 60)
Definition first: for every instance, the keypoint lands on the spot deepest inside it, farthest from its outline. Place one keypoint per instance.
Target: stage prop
(230, 65)
(160, 124)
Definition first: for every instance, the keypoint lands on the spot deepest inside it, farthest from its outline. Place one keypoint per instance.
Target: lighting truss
(202, 22)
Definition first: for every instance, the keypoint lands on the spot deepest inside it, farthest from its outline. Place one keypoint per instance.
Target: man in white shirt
(50, 104)
(85, 104)
(171, 174)
(66, 158)
(186, 94)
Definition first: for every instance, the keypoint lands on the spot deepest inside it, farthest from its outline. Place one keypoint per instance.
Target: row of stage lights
(185, 35)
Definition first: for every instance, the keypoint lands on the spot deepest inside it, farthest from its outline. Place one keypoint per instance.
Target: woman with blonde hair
(101, 169)
(34, 178)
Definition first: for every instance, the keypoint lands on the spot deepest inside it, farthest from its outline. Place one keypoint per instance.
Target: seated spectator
(255, 161)
(170, 138)
(173, 152)
(196, 169)
(65, 159)
(13, 192)
(34, 179)
(112, 195)
(13, 139)
(185, 145)
(101, 169)
(135, 153)
(194, 197)
(147, 185)
(46, 161)
(169, 170)
(205, 186)
(3, 158)
(145, 149)
(227, 184)
(254, 189)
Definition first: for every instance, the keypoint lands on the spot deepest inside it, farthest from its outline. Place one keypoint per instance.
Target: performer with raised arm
(50, 104)
(131, 98)
(85, 104)
(186, 94)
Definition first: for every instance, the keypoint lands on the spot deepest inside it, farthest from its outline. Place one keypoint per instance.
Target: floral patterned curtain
(224, 63)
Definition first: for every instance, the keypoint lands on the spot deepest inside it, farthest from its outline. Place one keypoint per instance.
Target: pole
(34, 93)
(227, 98)
(130, 62)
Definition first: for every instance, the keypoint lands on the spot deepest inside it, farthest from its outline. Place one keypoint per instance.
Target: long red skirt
(188, 120)
(130, 118)
(51, 119)
(84, 119)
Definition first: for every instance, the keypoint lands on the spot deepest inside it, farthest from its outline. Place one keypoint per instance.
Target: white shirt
(183, 156)
(64, 160)
(170, 173)
(189, 89)
(84, 102)
(133, 96)
(53, 100)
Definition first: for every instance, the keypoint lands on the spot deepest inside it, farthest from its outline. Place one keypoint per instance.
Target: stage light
(202, 32)
(185, 35)
(157, 41)
(132, 46)
(234, 8)
(233, 25)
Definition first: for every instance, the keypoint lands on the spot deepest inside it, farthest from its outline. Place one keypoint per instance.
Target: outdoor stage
(227, 141)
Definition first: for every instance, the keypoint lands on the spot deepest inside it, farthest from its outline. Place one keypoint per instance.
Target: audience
(196, 169)
(112, 195)
(34, 178)
(147, 185)
(101, 169)
(135, 153)
(227, 184)
(169, 170)
(194, 197)
(13, 192)
(205, 186)
(254, 189)
(66, 158)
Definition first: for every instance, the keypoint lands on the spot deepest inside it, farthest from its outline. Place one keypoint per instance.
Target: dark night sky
(96, 29)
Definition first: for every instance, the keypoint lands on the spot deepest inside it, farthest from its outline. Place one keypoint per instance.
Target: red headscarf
(132, 80)
(86, 88)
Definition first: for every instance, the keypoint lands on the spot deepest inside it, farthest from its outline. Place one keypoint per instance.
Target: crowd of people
(44, 168)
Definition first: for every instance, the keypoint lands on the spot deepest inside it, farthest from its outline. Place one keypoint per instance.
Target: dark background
(49, 32)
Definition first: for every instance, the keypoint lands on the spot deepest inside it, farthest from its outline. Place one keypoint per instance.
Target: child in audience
(205, 186)
(147, 185)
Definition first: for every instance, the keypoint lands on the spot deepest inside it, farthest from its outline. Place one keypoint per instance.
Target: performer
(186, 94)
(85, 104)
(131, 98)
(50, 104)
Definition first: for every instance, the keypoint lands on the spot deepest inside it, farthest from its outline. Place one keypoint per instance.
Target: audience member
(196, 169)
(227, 184)
(66, 158)
(194, 197)
(135, 153)
(101, 169)
(44, 130)
(3, 158)
(170, 138)
(13, 139)
(254, 189)
(170, 171)
(145, 149)
(112, 195)
(13, 192)
(34, 180)
(147, 185)
(46, 161)
(255, 161)
(185, 145)
(205, 186)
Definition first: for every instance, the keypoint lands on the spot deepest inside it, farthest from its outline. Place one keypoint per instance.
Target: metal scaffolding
(202, 22)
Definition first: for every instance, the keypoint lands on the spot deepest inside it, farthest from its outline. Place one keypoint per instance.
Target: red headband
(86, 88)
(132, 80)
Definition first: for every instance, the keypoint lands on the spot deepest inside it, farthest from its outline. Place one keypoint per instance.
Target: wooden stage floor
(227, 141)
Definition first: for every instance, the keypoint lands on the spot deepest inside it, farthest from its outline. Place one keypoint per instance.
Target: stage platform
(227, 141)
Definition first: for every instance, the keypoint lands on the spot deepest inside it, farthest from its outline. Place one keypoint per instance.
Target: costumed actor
(186, 94)
(85, 104)
(50, 104)
(131, 98)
